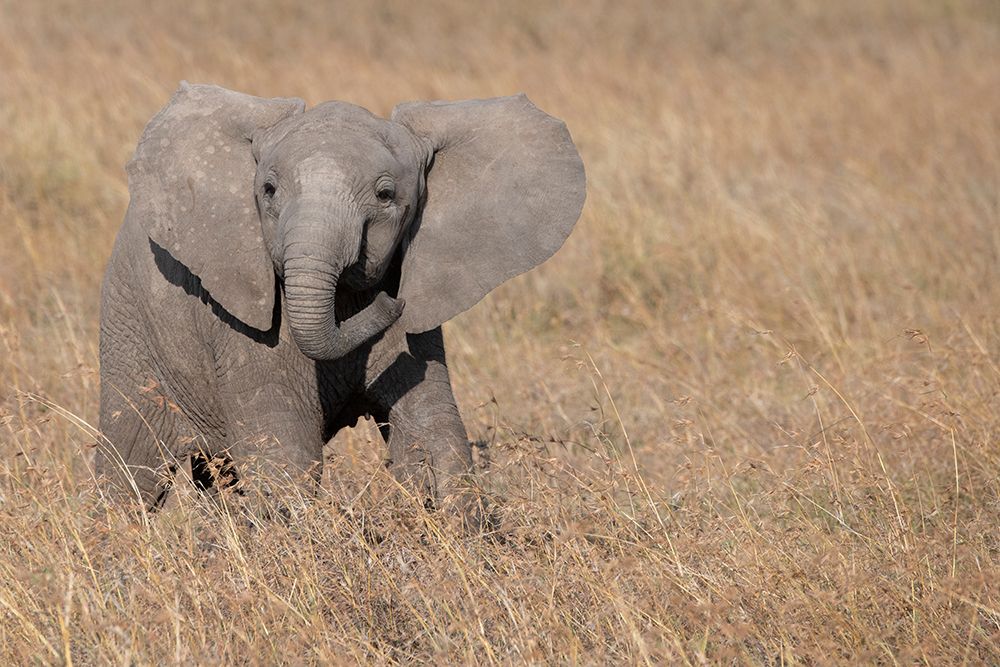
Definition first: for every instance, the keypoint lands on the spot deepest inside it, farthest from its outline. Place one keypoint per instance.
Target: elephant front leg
(428, 445)
(274, 429)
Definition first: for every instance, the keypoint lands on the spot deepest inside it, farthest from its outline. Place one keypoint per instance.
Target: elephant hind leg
(143, 435)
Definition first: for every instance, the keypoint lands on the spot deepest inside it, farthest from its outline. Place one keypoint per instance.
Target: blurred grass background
(749, 413)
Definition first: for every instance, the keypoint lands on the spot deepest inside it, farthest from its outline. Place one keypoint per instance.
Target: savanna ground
(749, 414)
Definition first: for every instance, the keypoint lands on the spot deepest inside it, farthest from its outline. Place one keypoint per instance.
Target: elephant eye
(385, 191)
(268, 190)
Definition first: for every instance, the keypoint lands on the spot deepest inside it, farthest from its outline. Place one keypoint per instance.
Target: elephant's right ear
(191, 185)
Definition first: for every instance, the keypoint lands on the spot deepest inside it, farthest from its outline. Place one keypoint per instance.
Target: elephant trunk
(316, 252)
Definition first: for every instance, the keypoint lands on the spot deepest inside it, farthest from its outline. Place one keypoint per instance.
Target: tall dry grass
(749, 414)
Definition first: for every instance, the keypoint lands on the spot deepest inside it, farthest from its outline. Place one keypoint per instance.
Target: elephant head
(240, 189)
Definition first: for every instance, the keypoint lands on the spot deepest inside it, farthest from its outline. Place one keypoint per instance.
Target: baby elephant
(282, 272)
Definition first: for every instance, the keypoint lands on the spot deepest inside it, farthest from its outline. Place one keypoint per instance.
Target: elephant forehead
(322, 171)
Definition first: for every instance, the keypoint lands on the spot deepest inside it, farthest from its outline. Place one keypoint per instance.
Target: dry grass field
(750, 413)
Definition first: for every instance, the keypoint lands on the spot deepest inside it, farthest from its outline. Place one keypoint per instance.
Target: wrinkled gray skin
(282, 272)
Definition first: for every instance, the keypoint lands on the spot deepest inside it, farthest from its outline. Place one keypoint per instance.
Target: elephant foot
(448, 489)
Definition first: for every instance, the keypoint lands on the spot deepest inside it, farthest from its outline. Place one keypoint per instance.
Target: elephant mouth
(356, 277)
(364, 274)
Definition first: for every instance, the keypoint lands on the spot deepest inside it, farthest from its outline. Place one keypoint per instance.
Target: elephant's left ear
(505, 187)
